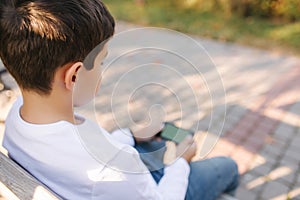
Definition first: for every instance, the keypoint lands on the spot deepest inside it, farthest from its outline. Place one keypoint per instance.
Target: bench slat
(21, 183)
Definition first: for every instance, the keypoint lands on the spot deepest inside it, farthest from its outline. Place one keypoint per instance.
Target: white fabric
(123, 136)
(85, 162)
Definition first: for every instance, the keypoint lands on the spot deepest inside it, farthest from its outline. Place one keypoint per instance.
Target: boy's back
(53, 49)
(57, 155)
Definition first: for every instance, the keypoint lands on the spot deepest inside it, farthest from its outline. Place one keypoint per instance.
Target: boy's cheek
(85, 88)
(98, 71)
(98, 88)
(81, 97)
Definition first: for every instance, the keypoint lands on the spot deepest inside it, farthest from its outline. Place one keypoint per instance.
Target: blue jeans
(212, 177)
(208, 178)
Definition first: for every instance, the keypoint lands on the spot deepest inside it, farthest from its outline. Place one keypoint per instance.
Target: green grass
(274, 35)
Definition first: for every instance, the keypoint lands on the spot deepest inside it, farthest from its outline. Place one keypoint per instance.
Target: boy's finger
(188, 139)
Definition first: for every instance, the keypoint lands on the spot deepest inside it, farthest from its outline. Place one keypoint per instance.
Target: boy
(46, 46)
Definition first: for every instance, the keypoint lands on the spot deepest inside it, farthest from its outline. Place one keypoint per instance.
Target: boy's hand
(186, 149)
(147, 133)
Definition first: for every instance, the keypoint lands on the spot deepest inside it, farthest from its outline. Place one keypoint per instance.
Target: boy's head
(38, 37)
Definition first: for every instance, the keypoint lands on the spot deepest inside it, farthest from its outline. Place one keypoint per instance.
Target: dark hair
(39, 36)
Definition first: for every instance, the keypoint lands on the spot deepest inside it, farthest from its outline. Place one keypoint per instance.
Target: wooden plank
(21, 183)
(6, 194)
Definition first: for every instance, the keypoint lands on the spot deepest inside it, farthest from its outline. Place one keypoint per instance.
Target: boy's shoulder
(88, 136)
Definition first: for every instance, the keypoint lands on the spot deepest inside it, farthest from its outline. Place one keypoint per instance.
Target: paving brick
(252, 117)
(293, 153)
(282, 175)
(288, 179)
(244, 125)
(263, 169)
(272, 150)
(228, 126)
(204, 123)
(220, 123)
(269, 158)
(281, 138)
(248, 177)
(257, 136)
(243, 158)
(291, 118)
(256, 183)
(254, 146)
(258, 133)
(281, 197)
(257, 161)
(239, 133)
(243, 166)
(238, 111)
(296, 141)
(295, 108)
(233, 118)
(268, 122)
(245, 194)
(234, 138)
(294, 193)
(224, 147)
(284, 130)
(289, 162)
(275, 113)
(242, 154)
(220, 111)
(274, 189)
(217, 130)
(264, 129)
(218, 152)
(279, 144)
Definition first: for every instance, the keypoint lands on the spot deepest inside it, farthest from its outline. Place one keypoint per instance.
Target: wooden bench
(20, 185)
(16, 183)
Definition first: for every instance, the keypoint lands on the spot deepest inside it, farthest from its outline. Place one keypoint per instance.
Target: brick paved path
(262, 119)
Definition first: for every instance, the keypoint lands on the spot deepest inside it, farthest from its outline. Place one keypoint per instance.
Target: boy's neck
(38, 109)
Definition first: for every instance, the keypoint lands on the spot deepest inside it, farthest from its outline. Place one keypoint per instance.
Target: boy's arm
(137, 182)
(130, 137)
(174, 183)
(124, 136)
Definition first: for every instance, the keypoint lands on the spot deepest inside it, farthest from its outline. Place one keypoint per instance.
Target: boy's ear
(71, 75)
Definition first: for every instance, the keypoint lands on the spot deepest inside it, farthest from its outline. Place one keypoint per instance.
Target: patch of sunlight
(281, 197)
(1, 139)
(106, 174)
(258, 161)
(255, 183)
(276, 114)
(41, 193)
(285, 32)
(273, 175)
(7, 193)
(190, 3)
(3, 150)
(294, 193)
(291, 195)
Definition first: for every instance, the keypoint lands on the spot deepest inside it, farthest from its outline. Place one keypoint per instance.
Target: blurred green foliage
(221, 20)
(271, 9)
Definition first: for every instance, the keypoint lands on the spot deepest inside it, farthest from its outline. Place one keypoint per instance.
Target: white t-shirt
(85, 162)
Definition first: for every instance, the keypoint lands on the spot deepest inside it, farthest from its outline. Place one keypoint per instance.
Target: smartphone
(173, 133)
